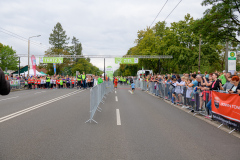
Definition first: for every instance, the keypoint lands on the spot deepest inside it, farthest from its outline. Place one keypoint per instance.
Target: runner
(64, 82)
(61, 83)
(36, 83)
(67, 82)
(89, 81)
(33, 82)
(54, 82)
(39, 83)
(29, 83)
(73, 81)
(42, 83)
(133, 87)
(51, 83)
(115, 83)
(58, 83)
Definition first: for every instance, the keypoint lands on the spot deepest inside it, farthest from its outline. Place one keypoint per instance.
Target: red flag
(34, 64)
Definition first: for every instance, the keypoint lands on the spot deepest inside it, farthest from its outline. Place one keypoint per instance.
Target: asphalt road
(50, 125)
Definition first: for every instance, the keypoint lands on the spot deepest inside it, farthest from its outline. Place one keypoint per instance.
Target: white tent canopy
(31, 73)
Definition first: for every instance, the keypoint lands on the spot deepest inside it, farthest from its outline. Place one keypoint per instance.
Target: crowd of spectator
(196, 82)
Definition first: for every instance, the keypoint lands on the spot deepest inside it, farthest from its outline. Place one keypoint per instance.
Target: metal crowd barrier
(97, 93)
(16, 84)
(196, 102)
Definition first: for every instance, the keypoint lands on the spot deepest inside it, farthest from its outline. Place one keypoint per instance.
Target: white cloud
(106, 27)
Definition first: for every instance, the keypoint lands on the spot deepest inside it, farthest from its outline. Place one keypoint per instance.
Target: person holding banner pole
(216, 85)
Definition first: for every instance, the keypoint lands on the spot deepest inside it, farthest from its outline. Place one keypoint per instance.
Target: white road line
(39, 92)
(115, 92)
(118, 117)
(8, 98)
(116, 98)
(16, 114)
(130, 91)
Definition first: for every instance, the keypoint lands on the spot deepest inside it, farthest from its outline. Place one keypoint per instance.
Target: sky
(106, 27)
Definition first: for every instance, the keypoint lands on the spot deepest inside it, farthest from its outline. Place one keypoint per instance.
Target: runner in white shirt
(54, 83)
(42, 83)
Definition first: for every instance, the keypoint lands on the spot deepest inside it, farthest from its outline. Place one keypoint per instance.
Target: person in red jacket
(33, 81)
(29, 83)
(4, 84)
(58, 83)
(73, 81)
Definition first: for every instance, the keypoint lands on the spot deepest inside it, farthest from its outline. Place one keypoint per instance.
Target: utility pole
(104, 70)
(159, 69)
(199, 53)
(28, 54)
(226, 57)
(19, 67)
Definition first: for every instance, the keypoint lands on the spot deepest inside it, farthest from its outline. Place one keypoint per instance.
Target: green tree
(59, 67)
(181, 40)
(58, 38)
(221, 21)
(127, 73)
(76, 48)
(83, 65)
(8, 58)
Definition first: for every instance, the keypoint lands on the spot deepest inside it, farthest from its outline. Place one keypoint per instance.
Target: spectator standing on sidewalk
(216, 85)
(228, 85)
(189, 92)
(223, 77)
(236, 85)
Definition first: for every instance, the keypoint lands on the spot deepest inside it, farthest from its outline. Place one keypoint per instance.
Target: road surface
(50, 125)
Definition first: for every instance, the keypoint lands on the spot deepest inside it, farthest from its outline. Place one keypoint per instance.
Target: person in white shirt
(179, 89)
(189, 93)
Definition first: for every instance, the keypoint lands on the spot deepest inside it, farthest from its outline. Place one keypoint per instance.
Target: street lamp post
(29, 50)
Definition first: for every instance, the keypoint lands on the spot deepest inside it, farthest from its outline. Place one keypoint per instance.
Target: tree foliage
(8, 58)
(221, 21)
(59, 41)
(58, 38)
(181, 40)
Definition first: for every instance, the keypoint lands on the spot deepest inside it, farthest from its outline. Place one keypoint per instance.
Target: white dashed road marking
(8, 98)
(118, 117)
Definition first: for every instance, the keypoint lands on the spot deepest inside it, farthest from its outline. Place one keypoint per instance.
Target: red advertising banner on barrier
(226, 109)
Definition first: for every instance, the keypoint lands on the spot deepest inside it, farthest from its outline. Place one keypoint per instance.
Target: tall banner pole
(54, 68)
(34, 64)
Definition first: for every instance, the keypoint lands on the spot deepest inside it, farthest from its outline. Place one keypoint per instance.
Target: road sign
(231, 62)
